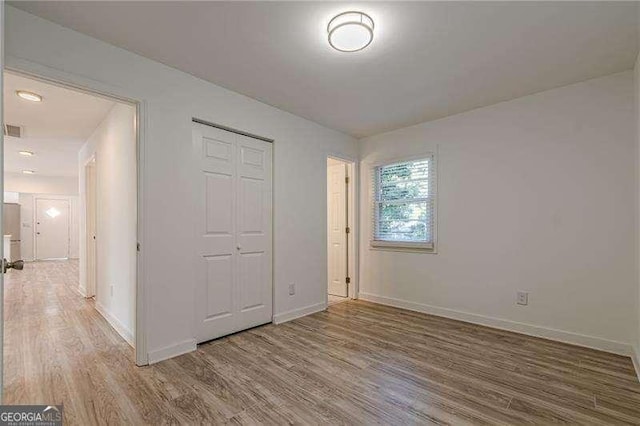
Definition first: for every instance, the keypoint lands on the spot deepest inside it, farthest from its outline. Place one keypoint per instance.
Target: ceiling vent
(11, 130)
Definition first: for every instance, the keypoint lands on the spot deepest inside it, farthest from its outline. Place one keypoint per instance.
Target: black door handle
(17, 265)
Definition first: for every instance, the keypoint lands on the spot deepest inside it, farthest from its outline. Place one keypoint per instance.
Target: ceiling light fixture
(26, 153)
(28, 172)
(350, 31)
(29, 96)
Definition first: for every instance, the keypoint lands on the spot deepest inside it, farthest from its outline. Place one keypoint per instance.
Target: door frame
(353, 224)
(35, 222)
(91, 164)
(92, 87)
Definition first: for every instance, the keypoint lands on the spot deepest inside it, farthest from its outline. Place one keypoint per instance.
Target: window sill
(402, 246)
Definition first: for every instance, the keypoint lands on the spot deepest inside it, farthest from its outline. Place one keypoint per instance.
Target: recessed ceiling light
(28, 172)
(29, 96)
(350, 31)
(26, 153)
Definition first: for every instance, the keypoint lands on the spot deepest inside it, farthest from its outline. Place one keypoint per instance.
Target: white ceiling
(427, 60)
(54, 129)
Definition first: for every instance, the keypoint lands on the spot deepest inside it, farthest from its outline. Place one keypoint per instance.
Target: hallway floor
(356, 363)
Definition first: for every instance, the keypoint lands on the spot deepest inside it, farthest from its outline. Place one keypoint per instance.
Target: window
(404, 204)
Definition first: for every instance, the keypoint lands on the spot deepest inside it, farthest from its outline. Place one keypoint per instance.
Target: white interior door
(234, 290)
(52, 229)
(91, 232)
(337, 224)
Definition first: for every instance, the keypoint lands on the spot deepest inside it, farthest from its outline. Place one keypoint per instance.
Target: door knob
(18, 265)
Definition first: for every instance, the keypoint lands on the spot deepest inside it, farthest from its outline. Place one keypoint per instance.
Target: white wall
(636, 74)
(37, 184)
(172, 99)
(535, 194)
(113, 144)
(27, 218)
(11, 197)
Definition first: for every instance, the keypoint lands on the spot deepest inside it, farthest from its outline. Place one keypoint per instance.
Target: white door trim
(353, 215)
(80, 83)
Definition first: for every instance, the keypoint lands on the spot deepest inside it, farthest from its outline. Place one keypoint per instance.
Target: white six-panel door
(234, 284)
(337, 224)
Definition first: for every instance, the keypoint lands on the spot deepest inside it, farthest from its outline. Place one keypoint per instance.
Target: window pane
(403, 202)
(403, 221)
(399, 230)
(404, 190)
(403, 211)
(404, 171)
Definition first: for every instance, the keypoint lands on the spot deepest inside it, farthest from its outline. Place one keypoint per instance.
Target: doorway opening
(70, 203)
(340, 231)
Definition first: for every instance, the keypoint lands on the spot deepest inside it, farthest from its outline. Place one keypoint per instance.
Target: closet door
(253, 232)
(233, 233)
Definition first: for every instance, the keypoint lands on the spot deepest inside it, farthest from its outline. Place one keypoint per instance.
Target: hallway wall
(113, 144)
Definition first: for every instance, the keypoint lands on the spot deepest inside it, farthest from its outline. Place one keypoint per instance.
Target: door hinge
(138, 246)
(348, 280)
(348, 230)
(346, 179)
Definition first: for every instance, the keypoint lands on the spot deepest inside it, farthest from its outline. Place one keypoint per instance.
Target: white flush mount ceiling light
(29, 96)
(350, 31)
(26, 153)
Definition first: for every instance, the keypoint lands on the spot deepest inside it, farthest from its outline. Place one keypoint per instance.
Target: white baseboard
(300, 312)
(167, 352)
(82, 291)
(636, 360)
(116, 324)
(612, 346)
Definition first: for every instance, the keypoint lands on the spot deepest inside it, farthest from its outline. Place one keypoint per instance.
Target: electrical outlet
(523, 298)
(292, 289)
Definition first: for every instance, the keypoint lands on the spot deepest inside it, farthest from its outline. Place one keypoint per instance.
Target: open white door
(90, 221)
(52, 229)
(337, 228)
(234, 284)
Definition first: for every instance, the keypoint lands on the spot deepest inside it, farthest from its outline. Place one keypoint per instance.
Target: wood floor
(357, 363)
(332, 300)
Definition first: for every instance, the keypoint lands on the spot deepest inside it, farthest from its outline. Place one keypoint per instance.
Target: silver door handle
(17, 265)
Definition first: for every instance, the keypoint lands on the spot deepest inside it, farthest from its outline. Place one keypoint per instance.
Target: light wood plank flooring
(357, 363)
(332, 300)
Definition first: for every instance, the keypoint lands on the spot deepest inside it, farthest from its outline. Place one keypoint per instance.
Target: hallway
(58, 348)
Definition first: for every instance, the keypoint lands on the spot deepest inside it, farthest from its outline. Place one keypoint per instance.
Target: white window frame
(404, 245)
